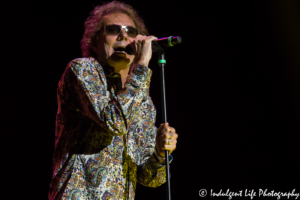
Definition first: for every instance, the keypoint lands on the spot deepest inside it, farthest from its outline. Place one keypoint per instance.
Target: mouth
(119, 49)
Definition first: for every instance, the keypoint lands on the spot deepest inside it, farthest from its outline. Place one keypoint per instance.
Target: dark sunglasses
(116, 30)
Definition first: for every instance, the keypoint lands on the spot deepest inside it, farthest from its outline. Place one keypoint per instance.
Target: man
(105, 138)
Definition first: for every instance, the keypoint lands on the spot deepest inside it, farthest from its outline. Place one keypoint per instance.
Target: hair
(93, 24)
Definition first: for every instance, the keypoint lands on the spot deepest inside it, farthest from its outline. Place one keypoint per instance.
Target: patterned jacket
(105, 134)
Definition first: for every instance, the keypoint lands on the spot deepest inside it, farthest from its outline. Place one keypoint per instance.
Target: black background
(232, 90)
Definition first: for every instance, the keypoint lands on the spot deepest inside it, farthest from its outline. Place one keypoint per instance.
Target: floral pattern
(105, 134)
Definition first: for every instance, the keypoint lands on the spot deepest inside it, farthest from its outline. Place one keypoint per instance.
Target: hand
(142, 49)
(166, 139)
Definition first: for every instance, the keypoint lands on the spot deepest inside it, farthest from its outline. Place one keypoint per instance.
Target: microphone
(159, 44)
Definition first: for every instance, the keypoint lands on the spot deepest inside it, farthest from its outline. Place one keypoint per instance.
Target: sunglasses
(116, 30)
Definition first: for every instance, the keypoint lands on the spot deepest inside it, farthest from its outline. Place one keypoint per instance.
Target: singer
(106, 140)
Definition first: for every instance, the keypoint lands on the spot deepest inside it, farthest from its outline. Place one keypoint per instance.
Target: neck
(120, 67)
(124, 73)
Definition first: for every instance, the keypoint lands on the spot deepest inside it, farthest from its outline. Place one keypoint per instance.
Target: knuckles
(143, 39)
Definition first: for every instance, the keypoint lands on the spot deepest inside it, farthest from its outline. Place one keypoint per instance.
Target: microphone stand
(161, 63)
(160, 52)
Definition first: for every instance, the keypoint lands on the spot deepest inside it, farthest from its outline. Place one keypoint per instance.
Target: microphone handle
(155, 49)
(158, 44)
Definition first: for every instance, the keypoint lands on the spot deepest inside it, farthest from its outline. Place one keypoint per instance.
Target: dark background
(232, 90)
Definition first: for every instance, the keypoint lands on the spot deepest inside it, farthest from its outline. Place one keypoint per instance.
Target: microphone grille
(176, 40)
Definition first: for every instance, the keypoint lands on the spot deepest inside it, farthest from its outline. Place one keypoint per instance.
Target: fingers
(140, 41)
(168, 141)
(169, 148)
(167, 131)
(144, 37)
(167, 138)
(142, 50)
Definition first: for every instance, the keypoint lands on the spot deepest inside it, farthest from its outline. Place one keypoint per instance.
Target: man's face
(107, 43)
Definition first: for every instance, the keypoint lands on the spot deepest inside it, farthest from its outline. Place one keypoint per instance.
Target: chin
(119, 62)
(121, 65)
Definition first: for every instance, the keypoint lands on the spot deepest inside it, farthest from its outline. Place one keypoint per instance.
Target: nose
(123, 35)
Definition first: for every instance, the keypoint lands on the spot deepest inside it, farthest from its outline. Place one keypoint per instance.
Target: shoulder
(79, 64)
(83, 67)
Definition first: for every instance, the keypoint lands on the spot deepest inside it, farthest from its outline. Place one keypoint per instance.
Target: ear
(95, 49)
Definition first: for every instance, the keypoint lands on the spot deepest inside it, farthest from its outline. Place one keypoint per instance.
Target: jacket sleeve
(150, 172)
(84, 88)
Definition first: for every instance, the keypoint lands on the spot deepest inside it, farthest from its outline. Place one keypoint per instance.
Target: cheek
(109, 41)
(108, 50)
(106, 45)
